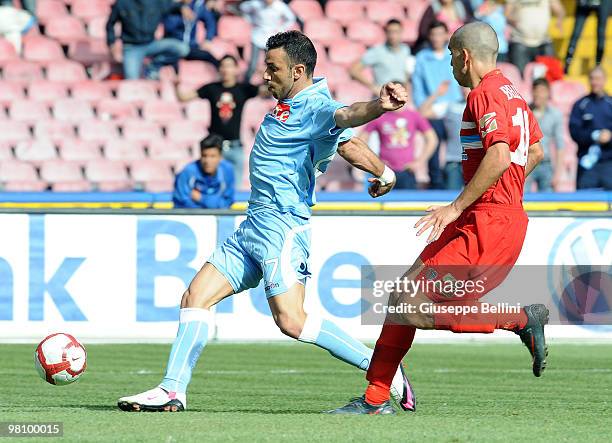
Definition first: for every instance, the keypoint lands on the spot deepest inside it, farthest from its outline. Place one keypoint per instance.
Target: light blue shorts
(270, 244)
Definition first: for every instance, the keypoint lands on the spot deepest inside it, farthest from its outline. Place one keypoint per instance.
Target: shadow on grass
(114, 408)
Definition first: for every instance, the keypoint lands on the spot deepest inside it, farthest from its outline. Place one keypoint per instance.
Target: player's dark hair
(393, 21)
(540, 82)
(229, 57)
(212, 141)
(437, 24)
(298, 47)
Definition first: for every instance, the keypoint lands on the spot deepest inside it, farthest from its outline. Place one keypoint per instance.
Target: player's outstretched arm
(535, 154)
(392, 96)
(357, 153)
(493, 165)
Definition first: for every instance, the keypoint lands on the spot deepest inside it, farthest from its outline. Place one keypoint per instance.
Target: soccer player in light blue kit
(295, 143)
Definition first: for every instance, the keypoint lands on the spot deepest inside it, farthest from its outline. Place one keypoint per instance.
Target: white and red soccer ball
(60, 359)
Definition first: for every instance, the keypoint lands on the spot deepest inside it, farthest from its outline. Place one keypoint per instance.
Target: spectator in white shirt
(267, 18)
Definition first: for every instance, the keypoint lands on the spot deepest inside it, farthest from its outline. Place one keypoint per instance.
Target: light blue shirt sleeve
(326, 134)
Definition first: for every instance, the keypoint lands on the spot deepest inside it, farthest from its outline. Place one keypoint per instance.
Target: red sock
(391, 347)
(478, 322)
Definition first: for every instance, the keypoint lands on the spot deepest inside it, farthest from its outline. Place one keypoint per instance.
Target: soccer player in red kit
(481, 233)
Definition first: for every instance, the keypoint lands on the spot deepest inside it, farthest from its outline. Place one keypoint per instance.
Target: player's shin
(190, 339)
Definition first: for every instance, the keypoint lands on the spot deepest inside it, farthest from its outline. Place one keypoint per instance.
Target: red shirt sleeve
(535, 133)
(491, 118)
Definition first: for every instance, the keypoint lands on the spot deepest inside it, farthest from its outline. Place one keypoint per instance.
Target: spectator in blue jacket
(139, 20)
(590, 126)
(177, 27)
(208, 182)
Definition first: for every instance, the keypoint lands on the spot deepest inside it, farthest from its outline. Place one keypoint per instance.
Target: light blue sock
(329, 336)
(190, 339)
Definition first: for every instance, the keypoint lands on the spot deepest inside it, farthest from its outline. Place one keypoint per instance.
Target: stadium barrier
(119, 275)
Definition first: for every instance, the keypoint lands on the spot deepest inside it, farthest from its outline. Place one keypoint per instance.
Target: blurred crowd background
(163, 95)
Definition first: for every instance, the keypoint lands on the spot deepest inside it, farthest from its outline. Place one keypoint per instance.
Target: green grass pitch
(275, 392)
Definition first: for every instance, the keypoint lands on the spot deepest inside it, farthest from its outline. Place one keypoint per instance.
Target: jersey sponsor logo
(281, 112)
(487, 123)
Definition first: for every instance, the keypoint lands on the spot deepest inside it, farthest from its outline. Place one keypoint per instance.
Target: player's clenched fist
(393, 96)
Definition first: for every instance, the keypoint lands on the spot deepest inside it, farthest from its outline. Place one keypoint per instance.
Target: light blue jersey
(294, 144)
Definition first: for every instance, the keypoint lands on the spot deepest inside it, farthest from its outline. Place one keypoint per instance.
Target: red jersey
(496, 112)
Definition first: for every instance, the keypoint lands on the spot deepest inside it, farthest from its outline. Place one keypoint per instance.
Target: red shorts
(481, 247)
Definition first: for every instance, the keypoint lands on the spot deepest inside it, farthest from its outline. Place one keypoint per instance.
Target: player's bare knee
(290, 325)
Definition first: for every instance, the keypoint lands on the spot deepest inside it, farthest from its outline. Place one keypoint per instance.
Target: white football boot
(402, 392)
(154, 400)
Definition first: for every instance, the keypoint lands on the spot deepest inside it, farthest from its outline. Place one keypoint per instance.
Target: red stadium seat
(29, 111)
(11, 91)
(199, 110)
(89, 51)
(169, 150)
(77, 150)
(37, 48)
(234, 29)
(35, 151)
(416, 8)
(141, 130)
(162, 111)
(25, 186)
(324, 30)
(365, 32)
(86, 9)
(96, 27)
(54, 171)
(47, 10)
(107, 170)
(382, 14)
(256, 109)
(90, 90)
(565, 93)
(71, 186)
(112, 108)
(124, 150)
(46, 91)
(19, 70)
(15, 170)
(137, 90)
(66, 29)
(335, 74)
(352, 92)
(345, 11)
(196, 73)
(66, 71)
(97, 130)
(345, 52)
(7, 51)
(410, 31)
(512, 73)
(147, 170)
(185, 130)
(6, 152)
(307, 9)
(14, 131)
(159, 185)
(53, 130)
(72, 110)
(221, 48)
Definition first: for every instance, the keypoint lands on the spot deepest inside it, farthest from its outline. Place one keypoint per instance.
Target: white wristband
(388, 176)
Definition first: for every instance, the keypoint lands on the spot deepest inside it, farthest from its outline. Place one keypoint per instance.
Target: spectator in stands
(591, 128)
(433, 75)
(453, 13)
(583, 10)
(139, 20)
(390, 61)
(208, 182)
(267, 17)
(14, 23)
(177, 27)
(227, 98)
(530, 20)
(493, 13)
(551, 124)
(397, 132)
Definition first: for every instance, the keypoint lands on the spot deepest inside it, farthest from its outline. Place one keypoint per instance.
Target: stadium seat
(185, 131)
(365, 32)
(6, 151)
(97, 130)
(47, 10)
(198, 110)
(162, 111)
(565, 93)
(37, 48)
(14, 131)
(108, 175)
(416, 8)
(324, 30)
(96, 27)
(335, 74)
(16, 170)
(165, 149)
(410, 31)
(345, 52)
(255, 110)
(53, 130)
(234, 29)
(195, 73)
(66, 71)
(29, 110)
(141, 130)
(65, 29)
(124, 150)
(352, 92)
(54, 171)
(11, 91)
(77, 150)
(111, 108)
(87, 9)
(19, 70)
(35, 151)
(150, 169)
(221, 47)
(137, 90)
(89, 51)
(345, 11)
(46, 91)
(159, 185)
(512, 73)
(7, 51)
(73, 110)
(25, 186)
(307, 9)
(382, 14)
(90, 90)
(71, 186)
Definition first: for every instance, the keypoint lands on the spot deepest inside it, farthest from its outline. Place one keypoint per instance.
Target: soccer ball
(60, 359)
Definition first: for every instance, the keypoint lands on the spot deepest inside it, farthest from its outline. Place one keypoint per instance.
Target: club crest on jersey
(487, 123)
(281, 112)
